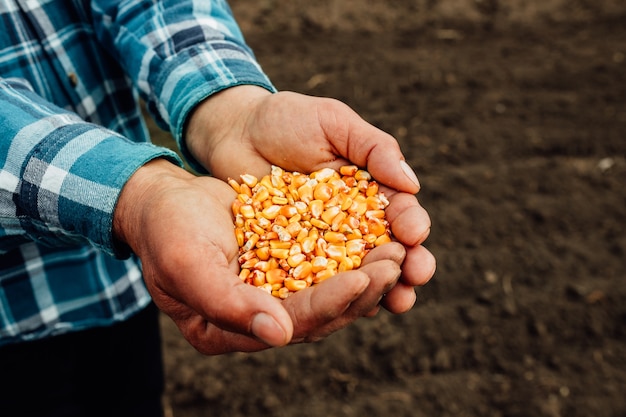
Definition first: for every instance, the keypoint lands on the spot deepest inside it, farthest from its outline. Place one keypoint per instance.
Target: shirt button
(73, 79)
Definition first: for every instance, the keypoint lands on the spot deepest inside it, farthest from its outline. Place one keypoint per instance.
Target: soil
(513, 114)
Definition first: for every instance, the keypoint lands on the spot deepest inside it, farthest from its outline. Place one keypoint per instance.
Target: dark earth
(513, 114)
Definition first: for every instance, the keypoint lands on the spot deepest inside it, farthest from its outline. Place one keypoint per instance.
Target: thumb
(219, 297)
(367, 146)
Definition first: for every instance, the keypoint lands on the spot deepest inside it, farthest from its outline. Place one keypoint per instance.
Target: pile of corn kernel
(296, 230)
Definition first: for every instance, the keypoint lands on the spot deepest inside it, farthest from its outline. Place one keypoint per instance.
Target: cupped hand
(246, 129)
(181, 227)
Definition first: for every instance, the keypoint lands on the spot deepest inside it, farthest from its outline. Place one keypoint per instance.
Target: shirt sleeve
(177, 52)
(60, 176)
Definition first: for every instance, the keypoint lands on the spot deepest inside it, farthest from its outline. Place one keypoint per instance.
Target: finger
(314, 308)
(410, 222)
(393, 251)
(419, 266)
(381, 154)
(209, 339)
(209, 285)
(383, 276)
(399, 299)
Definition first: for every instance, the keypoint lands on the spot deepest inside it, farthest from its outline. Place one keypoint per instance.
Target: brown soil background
(513, 114)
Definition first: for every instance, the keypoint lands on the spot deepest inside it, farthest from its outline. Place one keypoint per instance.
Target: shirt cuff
(66, 203)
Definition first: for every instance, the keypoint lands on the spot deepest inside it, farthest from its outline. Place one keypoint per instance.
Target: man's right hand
(181, 227)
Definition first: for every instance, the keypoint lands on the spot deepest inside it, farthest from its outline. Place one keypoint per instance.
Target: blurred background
(513, 114)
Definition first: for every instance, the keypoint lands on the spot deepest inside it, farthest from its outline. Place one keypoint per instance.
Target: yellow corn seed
(334, 237)
(258, 278)
(261, 194)
(345, 229)
(329, 214)
(372, 189)
(370, 238)
(283, 234)
(350, 183)
(293, 228)
(234, 184)
(348, 170)
(362, 186)
(249, 180)
(247, 211)
(308, 244)
(281, 220)
(320, 224)
(355, 247)
(298, 180)
(296, 259)
(320, 247)
(336, 252)
(356, 260)
(378, 214)
(375, 226)
(245, 256)
(240, 236)
(302, 234)
(251, 242)
(263, 265)
(296, 218)
(303, 270)
(301, 206)
(250, 263)
(362, 175)
(346, 202)
(280, 244)
(322, 191)
(271, 212)
(323, 174)
(294, 284)
(295, 248)
(282, 293)
(279, 253)
(318, 264)
(252, 225)
(288, 211)
(316, 207)
(306, 192)
(275, 276)
(358, 208)
(338, 220)
(236, 207)
(280, 200)
(346, 264)
(324, 275)
(283, 264)
(267, 287)
(244, 274)
(382, 239)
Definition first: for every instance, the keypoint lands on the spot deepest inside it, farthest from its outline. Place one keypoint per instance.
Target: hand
(181, 227)
(303, 133)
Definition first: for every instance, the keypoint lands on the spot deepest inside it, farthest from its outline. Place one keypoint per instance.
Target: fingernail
(408, 171)
(268, 330)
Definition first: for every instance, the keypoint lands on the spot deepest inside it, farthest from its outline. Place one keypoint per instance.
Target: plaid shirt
(72, 134)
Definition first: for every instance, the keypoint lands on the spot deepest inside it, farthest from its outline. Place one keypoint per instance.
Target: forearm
(61, 177)
(178, 53)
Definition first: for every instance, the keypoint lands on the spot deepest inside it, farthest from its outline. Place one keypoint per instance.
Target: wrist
(220, 117)
(141, 189)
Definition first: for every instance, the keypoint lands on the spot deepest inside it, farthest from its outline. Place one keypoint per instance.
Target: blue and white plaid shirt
(72, 134)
